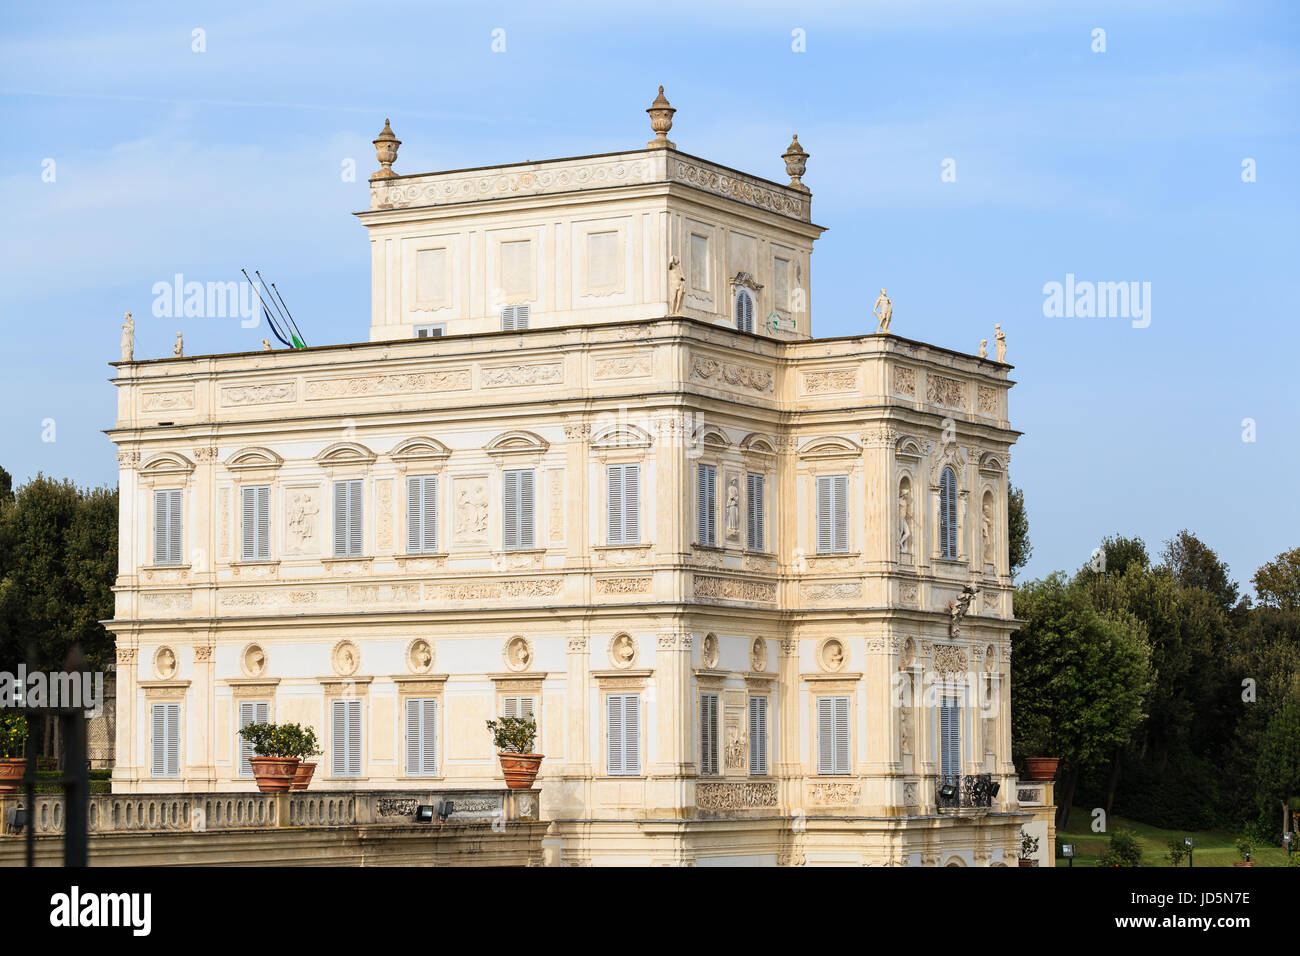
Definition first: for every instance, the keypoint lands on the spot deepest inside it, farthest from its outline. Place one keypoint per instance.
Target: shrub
(1124, 850)
(13, 735)
(1028, 845)
(281, 740)
(513, 735)
(1177, 852)
(1244, 848)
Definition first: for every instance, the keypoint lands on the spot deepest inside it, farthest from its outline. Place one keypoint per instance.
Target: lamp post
(1067, 851)
(1190, 847)
(1286, 842)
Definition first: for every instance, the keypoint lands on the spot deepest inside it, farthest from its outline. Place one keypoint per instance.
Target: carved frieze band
(735, 796)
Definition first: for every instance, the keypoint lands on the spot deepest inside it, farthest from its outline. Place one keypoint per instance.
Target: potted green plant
(274, 760)
(307, 747)
(514, 738)
(13, 744)
(1244, 849)
(1028, 849)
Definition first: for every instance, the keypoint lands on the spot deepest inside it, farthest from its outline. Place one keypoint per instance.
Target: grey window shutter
(526, 510)
(338, 739)
(632, 735)
(263, 522)
(173, 717)
(518, 707)
(158, 740)
(614, 734)
(614, 501)
(825, 538)
(841, 735)
(708, 733)
(431, 513)
(248, 523)
(250, 712)
(414, 515)
(744, 311)
(950, 736)
(354, 738)
(508, 318)
(756, 511)
(825, 735)
(840, 513)
(414, 717)
(430, 726)
(174, 528)
(355, 515)
(707, 503)
(948, 514)
(160, 527)
(631, 504)
(340, 519)
(521, 316)
(758, 735)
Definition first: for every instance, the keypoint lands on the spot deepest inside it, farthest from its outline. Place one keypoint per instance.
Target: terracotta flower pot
(1041, 768)
(1244, 863)
(274, 774)
(520, 769)
(1028, 862)
(11, 773)
(304, 775)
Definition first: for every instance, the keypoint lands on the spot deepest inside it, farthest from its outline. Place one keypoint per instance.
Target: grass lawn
(1212, 847)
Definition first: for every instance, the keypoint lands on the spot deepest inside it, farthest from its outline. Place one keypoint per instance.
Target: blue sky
(1115, 166)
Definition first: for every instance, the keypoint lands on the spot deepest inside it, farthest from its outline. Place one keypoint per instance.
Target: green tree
(1080, 679)
(1277, 774)
(58, 562)
(1195, 565)
(1277, 583)
(1019, 550)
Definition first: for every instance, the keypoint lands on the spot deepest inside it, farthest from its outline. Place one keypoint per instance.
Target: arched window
(744, 311)
(948, 514)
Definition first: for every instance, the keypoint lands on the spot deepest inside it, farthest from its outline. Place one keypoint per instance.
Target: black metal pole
(76, 776)
(29, 783)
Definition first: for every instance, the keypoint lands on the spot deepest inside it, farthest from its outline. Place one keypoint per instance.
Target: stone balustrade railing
(200, 812)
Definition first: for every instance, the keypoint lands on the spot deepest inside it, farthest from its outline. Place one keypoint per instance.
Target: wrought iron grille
(953, 791)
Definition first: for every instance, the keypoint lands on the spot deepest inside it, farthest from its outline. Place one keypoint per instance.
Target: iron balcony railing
(954, 792)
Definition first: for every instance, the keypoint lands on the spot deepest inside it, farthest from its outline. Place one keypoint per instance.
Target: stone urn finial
(386, 149)
(796, 161)
(661, 121)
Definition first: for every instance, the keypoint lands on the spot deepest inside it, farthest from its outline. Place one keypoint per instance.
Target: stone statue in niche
(733, 510)
(904, 519)
(301, 525)
(883, 311)
(905, 728)
(623, 651)
(518, 656)
(472, 509)
(128, 339)
(736, 746)
(254, 660)
(832, 655)
(986, 529)
(709, 651)
(421, 656)
(1000, 339)
(166, 663)
(957, 609)
(676, 286)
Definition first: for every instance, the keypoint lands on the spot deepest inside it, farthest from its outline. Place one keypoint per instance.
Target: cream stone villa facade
(592, 466)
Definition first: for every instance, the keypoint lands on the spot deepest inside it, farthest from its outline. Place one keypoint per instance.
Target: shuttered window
(348, 512)
(517, 510)
(250, 712)
(422, 514)
(949, 736)
(519, 707)
(623, 734)
(166, 740)
(948, 514)
(708, 734)
(832, 735)
(744, 311)
(706, 504)
(624, 498)
(167, 527)
(758, 736)
(514, 318)
(755, 509)
(255, 520)
(832, 514)
(345, 738)
(421, 736)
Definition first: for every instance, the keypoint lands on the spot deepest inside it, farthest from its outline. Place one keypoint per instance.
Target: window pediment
(758, 443)
(248, 458)
(710, 436)
(346, 453)
(621, 436)
(421, 449)
(517, 443)
(167, 463)
(830, 447)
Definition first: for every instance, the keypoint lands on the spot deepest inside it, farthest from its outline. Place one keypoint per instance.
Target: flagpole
(288, 313)
(265, 311)
(274, 306)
